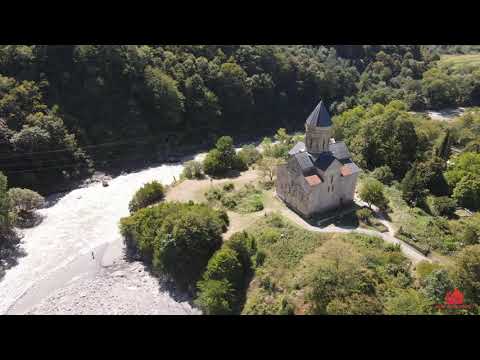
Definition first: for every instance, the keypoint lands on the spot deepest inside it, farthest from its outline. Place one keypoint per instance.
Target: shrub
(407, 302)
(372, 192)
(364, 215)
(467, 270)
(467, 191)
(441, 205)
(383, 174)
(223, 284)
(24, 201)
(148, 194)
(245, 246)
(177, 238)
(249, 154)
(228, 187)
(251, 204)
(192, 170)
(225, 265)
(216, 297)
(223, 158)
(436, 285)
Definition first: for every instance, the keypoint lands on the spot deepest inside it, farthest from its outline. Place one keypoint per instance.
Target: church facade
(319, 175)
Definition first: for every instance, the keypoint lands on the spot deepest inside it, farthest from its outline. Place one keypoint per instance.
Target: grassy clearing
(461, 62)
(293, 255)
(247, 199)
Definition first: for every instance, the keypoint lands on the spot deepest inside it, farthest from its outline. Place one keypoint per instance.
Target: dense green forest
(66, 110)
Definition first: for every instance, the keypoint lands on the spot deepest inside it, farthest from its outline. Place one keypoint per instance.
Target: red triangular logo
(454, 297)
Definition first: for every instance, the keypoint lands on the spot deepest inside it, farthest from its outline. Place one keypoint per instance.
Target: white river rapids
(59, 274)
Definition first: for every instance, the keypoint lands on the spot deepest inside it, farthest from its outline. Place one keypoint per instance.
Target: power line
(80, 147)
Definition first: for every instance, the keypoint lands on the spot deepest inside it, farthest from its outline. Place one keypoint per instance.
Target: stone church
(320, 175)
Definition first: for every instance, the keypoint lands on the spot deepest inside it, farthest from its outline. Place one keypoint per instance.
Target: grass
(247, 199)
(467, 62)
(282, 282)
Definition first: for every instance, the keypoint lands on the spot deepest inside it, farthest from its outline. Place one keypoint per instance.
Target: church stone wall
(290, 190)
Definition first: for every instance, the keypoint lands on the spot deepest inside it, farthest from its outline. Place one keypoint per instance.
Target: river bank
(58, 251)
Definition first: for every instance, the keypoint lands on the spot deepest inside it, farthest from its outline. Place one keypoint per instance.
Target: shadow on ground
(10, 252)
(165, 284)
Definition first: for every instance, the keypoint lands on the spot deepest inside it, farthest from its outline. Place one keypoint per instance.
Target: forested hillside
(66, 110)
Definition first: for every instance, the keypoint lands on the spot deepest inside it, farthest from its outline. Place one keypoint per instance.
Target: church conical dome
(319, 116)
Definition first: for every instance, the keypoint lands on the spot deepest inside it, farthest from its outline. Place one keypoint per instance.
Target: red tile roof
(345, 170)
(313, 180)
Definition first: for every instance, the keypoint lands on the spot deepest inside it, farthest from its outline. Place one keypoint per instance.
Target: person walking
(93, 256)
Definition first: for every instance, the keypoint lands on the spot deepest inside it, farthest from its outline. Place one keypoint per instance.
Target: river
(59, 274)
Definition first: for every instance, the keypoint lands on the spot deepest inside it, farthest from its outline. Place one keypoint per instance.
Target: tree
(222, 158)
(249, 154)
(443, 150)
(413, 190)
(216, 297)
(436, 285)
(441, 206)
(23, 202)
(383, 174)
(371, 191)
(148, 194)
(268, 168)
(224, 264)
(162, 93)
(408, 302)
(177, 238)
(467, 191)
(463, 164)
(5, 219)
(467, 273)
(192, 170)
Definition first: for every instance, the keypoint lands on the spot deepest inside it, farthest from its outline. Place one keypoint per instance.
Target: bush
(467, 192)
(177, 238)
(441, 205)
(364, 215)
(24, 201)
(245, 246)
(372, 192)
(193, 170)
(223, 158)
(225, 265)
(148, 194)
(383, 174)
(249, 154)
(228, 187)
(216, 297)
(246, 200)
(223, 284)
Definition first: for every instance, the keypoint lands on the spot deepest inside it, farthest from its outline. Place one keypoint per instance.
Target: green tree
(408, 302)
(163, 95)
(467, 273)
(249, 154)
(436, 285)
(467, 191)
(441, 206)
(148, 194)
(222, 158)
(216, 297)
(413, 189)
(383, 174)
(23, 202)
(372, 192)
(193, 170)
(224, 264)
(178, 238)
(5, 219)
